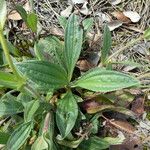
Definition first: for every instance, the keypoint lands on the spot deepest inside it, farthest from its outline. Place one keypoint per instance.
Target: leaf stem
(125, 47)
(7, 55)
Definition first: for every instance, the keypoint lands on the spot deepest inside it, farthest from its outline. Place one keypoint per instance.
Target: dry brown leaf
(121, 17)
(67, 11)
(115, 2)
(57, 32)
(132, 15)
(84, 65)
(77, 1)
(138, 106)
(123, 125)
(132, 143)
(14, 15)
(114, 25)
(103, 17)
(84, 10)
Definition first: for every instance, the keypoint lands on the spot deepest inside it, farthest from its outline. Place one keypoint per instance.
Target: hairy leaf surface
(106, 44)
(46, 75)
(73, 44)
(19, 136)
(101, 80)
(66, 114)
(30, 109)
(10, 107)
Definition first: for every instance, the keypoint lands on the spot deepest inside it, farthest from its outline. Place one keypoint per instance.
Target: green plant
(44, 103)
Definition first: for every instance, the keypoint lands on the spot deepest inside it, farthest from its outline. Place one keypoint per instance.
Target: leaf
(147, 34)
(67, 143)
(24, 98)
(30, 110)
(10, 107)
(4, 137)
(94, 143)
(22, 13)
(62, 21)
(3, 13)
(101, 80)
(50, 49)
(66, 114)
(123, 125)
(93, 106)
(46, 134)
(106, 44)
(13, 50)
(32, 21)
(40, 144)
(46, 75)
(87, 24)
(73, 44)
(19, 136)
(132, 15)
(8, 80)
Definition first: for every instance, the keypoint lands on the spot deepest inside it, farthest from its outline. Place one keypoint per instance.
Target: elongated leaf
(73, 44)
(32, 21)
(96, 143)
(66, 114)
(46, 75)
(49, 49)
(30, 110)
(3, 12)
(22, 12)
(19, 136)
(10, 107)
(8, 80)
(105, 80)
(106, 44)
(67, 143)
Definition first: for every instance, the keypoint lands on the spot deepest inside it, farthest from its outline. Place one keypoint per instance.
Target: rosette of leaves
(46, 109)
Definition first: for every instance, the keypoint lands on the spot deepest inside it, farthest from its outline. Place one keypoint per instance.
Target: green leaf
(4, 137)
(32, 21)
(106, 44)
(22, 13)
(46, 133)
(12, 49)
(66, 114)
(46, 75)
(62, 21)
(72, 144)
(10, 107)
(73, 44)
(30, 110)
(8, 80)
(147, 34)
(94, 143)
(101, 80)
(87, 24)
(3, 13)
(40, 144)
(19, 136)
(50, 49)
